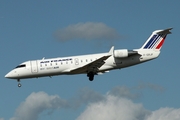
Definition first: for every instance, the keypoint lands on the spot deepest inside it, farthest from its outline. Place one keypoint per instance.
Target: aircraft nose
(10, 75)
(7, 75)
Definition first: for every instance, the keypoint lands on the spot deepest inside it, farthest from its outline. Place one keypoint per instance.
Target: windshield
(19, 66)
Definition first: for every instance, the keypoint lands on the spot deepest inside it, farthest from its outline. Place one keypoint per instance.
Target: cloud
(124, 92)
(117, 104)
(165, 114)
(143, 85)
(116, 108)
(85, 96)
(1, 118)
(36, 103)
(87, 31)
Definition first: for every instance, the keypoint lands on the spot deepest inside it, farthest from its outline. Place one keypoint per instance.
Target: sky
(31, 30)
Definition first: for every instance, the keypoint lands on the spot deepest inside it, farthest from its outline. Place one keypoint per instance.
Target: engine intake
(124, 53)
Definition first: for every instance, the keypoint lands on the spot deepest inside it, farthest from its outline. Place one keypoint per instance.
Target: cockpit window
(19, 66)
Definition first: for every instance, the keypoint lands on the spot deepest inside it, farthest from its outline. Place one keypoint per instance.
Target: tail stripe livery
(153, 39)
(161, 43)
(156, 40)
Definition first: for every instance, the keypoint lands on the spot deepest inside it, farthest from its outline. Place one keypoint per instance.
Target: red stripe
(160, 44)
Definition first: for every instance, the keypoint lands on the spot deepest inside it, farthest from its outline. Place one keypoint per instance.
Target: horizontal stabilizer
(166, 31)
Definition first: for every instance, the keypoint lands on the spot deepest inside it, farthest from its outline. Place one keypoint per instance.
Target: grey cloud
(165, 114)
(86, 95)
(86, 31)
(134, 92)
(124, 92)
(36, 103)
(143, 85)
(116, 104)
(90, 95)
(114, 108)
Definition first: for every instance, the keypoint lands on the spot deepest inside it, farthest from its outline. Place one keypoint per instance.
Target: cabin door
(34, 67)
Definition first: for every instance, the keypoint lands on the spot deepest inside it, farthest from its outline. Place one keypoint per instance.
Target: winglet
(111, 51)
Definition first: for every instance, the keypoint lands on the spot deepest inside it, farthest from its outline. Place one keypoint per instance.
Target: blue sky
(29, 30)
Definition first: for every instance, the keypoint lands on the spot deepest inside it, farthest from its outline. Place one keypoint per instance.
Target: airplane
(92, 64)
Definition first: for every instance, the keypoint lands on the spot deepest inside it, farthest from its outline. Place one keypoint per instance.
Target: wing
(91, 67)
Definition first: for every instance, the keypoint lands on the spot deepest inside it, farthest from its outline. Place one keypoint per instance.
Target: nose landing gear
(19, 84)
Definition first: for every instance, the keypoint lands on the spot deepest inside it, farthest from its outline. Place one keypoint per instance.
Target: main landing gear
(19, 84)
(91, 76)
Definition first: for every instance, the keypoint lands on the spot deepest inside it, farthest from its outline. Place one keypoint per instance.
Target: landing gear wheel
(91, 76)
(19, 85)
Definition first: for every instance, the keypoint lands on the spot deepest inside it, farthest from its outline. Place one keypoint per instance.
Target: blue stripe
(156, 39)
(150, 41)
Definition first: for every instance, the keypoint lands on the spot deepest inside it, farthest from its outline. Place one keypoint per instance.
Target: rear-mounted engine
(124, 53)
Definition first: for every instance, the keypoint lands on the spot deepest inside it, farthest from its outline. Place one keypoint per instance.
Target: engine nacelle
(124, 53)
(121, 53)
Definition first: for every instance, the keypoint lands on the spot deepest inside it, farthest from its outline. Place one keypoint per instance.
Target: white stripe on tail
(156, 40)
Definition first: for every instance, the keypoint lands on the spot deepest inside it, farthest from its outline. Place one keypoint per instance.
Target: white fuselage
(64, 65)
(91, 64)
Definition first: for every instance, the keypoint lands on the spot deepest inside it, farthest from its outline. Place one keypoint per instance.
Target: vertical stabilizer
(156, 40)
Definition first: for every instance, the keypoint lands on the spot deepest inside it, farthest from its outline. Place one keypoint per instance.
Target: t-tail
(156, 40)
